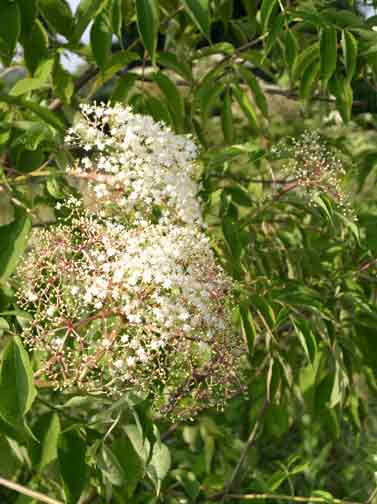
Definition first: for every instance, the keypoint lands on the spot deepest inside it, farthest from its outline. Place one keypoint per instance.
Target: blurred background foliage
(239, 76)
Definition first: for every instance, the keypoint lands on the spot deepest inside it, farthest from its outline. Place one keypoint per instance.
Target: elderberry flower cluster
(127, 302)
(135, 166)
(314, 167)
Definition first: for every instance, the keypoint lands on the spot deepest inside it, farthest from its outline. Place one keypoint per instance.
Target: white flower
(119, 363)
(131, 361)
(133, 277)
(144, 162)
(32, 296)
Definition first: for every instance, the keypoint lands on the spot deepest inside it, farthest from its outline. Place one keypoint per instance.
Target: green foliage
(240, 76)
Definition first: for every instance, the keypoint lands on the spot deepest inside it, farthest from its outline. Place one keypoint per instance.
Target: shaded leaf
(199, 12)
(252, 82)
(173, 97)
(13, 241)
(148, 25)
(227, 118)
(17, 391)
(58, 15)
(266, 11)
(10, 29)
(35, 43)
(85, 12)
(71, 454)
(101, 39)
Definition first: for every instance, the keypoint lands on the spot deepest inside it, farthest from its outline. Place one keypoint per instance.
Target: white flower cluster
(135, 165)
(125, 302)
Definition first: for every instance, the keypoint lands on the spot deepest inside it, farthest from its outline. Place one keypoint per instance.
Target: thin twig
(26, 491)
(241, 178)
(292, 498)
(274, 199)
(250, 442)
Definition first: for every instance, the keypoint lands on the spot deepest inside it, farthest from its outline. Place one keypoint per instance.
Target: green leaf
(85, 12)
(10, 461)
(62, 83)
(4, 326)
(189, 482)
(133, 466)
(291, 48)
(246, 107)
(42, 73)
(160, 460)
(157, 109)
(207, 90)
(71, 455)
(199, 12)
(308, 81)
(54, 188)
(42, 112)
(17, 391)
(328, 53)
(170, 61)
(117, 61)
(239, 195)
(306, 338)
(28, 9)
(273, 34)
(266, 11)
(123, 87)
(35, 43)
(231, 235)
(58, 15)
(111, 467)
(220, 48)
(323, 495)
(47, 431)
(309, 15)
(116, 18)
(227, 118)
(174, 99)
(24, 86)
(349, 48)
(148, 24)
(252, 82)
(34, 136)
(13, 241)
(248, 328)
(341, 88)
(304, 60)
(101, 39)
(10, 29)
(139, 444)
